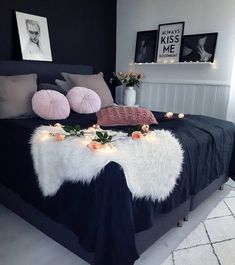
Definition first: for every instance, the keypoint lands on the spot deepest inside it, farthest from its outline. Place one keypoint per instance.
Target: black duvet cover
(103, 214)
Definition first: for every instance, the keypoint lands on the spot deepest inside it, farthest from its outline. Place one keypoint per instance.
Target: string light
(181, 115)
(45, 136)
(57, 125)
(169, 115)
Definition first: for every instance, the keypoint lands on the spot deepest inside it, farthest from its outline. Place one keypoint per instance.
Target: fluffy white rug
(151, 165)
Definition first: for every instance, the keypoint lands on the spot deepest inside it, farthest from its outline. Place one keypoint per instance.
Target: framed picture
(34, 37)
(145, 46)
(198, 48)
(169, 42)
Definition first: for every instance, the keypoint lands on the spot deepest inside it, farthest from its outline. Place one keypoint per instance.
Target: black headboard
(47, 72)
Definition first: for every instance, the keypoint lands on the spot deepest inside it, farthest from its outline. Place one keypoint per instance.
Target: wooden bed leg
(180, 223)
(186, 218)
(221, 187)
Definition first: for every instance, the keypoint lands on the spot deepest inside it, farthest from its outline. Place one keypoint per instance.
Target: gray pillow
(16, 93)
(63, 84)
(93, 82)
(48, 86)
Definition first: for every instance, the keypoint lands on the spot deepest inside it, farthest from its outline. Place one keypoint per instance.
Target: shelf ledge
(154, 63)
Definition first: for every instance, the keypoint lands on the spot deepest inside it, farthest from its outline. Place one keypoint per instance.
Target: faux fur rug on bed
(151, 164)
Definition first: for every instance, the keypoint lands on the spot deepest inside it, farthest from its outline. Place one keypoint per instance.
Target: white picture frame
(169, 42)
(34, 37)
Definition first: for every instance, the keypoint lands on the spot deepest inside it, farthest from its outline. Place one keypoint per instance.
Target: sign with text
(169, 42)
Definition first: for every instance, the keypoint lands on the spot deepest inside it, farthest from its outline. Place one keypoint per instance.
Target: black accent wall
(81, 31)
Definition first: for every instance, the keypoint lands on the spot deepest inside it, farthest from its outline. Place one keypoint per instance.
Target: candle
(169, 115)
(181, 115)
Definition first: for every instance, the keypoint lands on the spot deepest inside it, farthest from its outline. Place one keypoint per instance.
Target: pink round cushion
(83, 100)
(50, 105)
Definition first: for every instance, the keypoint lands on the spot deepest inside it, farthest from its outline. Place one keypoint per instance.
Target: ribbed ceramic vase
(129, 96)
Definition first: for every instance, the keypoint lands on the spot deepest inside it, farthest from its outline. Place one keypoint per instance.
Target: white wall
(200, 16)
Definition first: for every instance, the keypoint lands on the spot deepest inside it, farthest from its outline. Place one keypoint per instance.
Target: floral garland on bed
(100, 138)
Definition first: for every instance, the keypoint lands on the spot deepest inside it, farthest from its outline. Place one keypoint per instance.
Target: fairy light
(97, 127)
(150, 137)
(57, 125)
(145, 128)
(181, 115)
(169, 115)
(45, 136)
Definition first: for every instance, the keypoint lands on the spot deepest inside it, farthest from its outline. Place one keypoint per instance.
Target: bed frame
(47, 73)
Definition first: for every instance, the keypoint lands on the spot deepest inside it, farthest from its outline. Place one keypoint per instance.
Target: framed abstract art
(198, 47)
(145, 46)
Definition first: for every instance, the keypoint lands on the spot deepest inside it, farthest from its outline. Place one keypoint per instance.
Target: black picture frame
(199, 47)
(145, 46)
(169, 42)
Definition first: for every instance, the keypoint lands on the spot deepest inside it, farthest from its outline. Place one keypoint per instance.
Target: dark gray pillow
(46, 86)
(63, 84)
(16, 93)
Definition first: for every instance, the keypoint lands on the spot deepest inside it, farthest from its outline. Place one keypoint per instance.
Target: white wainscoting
(206, 98)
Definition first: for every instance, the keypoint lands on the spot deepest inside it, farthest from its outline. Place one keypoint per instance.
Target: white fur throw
(151, 164)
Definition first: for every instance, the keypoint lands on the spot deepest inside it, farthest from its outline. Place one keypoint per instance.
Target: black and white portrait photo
(145, 46)
(198, 48)
(34, 37)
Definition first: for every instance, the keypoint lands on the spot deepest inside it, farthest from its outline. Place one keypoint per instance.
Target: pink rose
(136, 135)
(94, 145)
(59, 137)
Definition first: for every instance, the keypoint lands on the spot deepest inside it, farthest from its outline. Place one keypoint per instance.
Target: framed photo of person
(199, 47)
(34, 37)
(169, 42)
(145, 46)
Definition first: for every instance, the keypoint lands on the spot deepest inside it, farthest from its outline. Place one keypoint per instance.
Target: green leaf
(77, 127)
(68, 128)
(99, 134)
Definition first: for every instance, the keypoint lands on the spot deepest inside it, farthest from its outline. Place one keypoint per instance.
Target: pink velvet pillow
(121, 115)
(50, 105)
(83, 100)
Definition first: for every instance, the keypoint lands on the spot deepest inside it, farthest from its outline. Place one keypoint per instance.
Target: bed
(101, 222)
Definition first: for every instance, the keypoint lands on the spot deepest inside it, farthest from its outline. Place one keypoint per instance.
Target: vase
(129, 96)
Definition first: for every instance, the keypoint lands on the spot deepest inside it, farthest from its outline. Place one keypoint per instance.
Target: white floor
(211, 243)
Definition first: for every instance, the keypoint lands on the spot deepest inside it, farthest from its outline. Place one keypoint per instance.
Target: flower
(94, 145)
(59, 137)
(130, 78)
(136, 135)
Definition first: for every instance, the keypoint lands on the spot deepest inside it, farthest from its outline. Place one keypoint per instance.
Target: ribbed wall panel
(205, 99)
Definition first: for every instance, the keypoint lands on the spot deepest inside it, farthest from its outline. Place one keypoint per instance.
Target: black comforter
(103, 214)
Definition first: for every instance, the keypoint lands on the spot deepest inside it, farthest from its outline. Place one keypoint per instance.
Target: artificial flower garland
(99, 137)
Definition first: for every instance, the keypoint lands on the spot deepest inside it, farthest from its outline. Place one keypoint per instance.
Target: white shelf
(182, 63)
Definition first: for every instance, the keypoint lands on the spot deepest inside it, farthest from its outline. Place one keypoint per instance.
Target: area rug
(212, 242)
